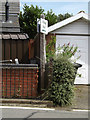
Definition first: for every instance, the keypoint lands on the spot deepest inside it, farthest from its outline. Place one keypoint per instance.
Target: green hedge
(61, 74)
(61, 90)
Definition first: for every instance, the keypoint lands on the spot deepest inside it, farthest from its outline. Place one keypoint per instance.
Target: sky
(58, 6)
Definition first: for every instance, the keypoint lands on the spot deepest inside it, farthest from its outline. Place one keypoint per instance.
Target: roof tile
(6, 36)
(14, 36)
(22, 36)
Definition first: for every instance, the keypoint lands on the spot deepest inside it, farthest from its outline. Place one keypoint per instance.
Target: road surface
(26, 113)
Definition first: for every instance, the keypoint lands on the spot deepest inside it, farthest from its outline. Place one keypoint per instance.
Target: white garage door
(82, 43)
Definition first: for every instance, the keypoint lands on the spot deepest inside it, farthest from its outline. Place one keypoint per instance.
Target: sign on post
(42, 26)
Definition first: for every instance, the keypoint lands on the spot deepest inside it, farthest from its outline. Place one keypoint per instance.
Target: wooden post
(1, 60)
(42, 58)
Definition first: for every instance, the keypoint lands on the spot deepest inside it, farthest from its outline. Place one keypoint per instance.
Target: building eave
(68, 21)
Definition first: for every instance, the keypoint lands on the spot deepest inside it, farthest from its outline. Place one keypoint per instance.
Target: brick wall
(19, 82)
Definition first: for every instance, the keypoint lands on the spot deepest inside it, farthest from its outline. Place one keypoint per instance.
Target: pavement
(25, 109)
(82, 95)
(80, 101)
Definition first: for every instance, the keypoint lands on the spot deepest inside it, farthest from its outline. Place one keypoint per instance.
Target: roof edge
(67, 21)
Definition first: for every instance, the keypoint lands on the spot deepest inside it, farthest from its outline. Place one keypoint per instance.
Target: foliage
(68, 51)
(50, 48)
(65, 50)
(28, 19)
(61, 90)
(61, 85)
(51, 17)
(63, 16)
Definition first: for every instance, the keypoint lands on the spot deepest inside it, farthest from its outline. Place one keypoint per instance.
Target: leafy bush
(61, 73)
(61, 90)
(50, 48)
(68, 51)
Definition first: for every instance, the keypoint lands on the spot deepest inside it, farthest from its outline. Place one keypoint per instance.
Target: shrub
(68, 51)
(50, 48)
(61, 90)
(61, 74)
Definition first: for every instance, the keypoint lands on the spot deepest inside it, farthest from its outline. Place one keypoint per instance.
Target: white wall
(78, 27)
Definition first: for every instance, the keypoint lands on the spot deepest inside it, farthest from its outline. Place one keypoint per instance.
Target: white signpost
(43, 26)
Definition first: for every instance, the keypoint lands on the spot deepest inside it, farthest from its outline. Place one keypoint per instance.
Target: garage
(74, 30)
(82, 44)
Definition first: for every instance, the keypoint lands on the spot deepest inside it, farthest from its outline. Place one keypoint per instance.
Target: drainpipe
(6, 11)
